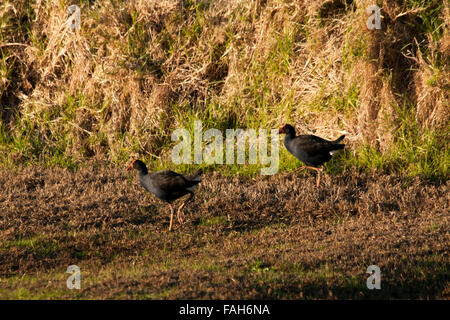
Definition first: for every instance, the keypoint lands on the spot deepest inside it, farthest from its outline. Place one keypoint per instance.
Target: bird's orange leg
(171, 217)
(180, 212)
(312, 168)
(318, 175)
(299, 169)
(318, 178)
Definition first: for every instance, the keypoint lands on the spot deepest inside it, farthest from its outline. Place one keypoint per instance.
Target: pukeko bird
(312, 150)
(167, 185)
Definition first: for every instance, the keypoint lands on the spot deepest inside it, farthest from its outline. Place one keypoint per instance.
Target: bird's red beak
(130, 166)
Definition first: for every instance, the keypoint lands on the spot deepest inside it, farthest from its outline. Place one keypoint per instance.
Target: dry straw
(141, 67)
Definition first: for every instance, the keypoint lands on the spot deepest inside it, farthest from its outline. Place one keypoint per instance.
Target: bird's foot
(298, 170)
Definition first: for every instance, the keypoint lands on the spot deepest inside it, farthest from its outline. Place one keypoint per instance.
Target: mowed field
(271, 237)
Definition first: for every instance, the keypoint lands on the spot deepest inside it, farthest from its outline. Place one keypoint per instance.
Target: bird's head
(287, 129)
(138, 165)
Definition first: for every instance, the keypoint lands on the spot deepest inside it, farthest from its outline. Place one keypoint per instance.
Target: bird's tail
(339, 139)
(336, 145)
(194, 180)
(195, 176)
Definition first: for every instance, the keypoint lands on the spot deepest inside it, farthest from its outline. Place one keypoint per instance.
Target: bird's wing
(313, 144)
(169, 181)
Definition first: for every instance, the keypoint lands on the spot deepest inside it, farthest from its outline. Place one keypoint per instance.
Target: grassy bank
(138, 70)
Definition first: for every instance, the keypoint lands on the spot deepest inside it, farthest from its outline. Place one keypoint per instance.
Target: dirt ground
(274, 237)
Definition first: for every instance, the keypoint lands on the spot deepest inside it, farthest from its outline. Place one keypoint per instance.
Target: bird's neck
(289, 136)
(143, 172)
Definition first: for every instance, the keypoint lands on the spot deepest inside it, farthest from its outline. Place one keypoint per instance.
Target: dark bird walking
(311, 150)
(167, 185)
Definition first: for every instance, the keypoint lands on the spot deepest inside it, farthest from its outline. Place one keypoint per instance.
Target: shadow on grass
(416, 279)
(146, 214)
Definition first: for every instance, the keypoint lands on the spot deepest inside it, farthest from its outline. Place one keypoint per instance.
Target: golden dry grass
(138, 70)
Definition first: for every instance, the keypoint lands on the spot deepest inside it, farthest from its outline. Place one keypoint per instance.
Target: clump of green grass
(415, 151)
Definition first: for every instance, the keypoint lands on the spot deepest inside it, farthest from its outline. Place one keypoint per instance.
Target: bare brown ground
(270, 237)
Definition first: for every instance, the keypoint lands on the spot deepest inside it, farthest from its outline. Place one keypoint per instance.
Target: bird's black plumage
(167, 185)
(311, 150)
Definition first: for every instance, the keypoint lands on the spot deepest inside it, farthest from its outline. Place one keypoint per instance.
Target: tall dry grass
(137, 70)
